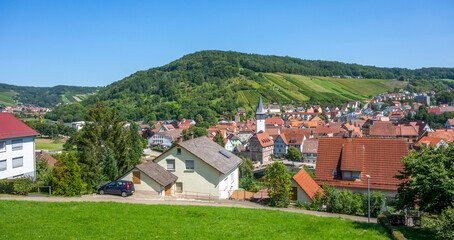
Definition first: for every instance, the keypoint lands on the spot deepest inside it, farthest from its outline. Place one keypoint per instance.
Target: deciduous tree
(278, 184)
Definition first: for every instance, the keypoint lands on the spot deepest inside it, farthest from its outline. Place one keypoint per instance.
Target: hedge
(17, 186)
(395, 234)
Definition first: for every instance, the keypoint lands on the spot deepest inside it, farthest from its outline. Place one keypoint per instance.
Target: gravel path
(152, 200)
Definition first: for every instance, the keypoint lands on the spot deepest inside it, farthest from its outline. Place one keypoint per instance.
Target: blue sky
(94, 43)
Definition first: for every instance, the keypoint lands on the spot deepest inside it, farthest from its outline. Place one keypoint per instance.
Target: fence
(241, 195)
(197, 196)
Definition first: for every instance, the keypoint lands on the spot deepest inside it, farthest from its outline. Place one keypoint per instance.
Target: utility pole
(368, 199)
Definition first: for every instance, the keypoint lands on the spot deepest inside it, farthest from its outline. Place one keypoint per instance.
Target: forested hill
(213, 82)
(43, 96)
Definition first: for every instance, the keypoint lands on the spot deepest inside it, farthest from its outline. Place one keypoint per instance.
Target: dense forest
(208, 83)
(45, 96)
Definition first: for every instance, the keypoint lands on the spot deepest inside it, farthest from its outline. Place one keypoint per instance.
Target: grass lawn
(49, 146)
(415, 233)
(89, 220)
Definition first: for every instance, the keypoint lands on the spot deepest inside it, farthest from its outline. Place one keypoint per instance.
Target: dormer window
(351, 175)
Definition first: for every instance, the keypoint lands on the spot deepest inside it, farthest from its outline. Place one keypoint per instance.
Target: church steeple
(260, 115)
(260, 109)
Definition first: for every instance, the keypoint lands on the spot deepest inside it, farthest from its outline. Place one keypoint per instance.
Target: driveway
(144, 198)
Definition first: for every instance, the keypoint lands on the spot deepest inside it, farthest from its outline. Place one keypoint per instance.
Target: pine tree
(110, 168)
(135, 145)
(66, 177)
(219, 139)
(103, 128)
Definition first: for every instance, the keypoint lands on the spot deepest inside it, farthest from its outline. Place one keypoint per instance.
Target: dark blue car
(123, 188)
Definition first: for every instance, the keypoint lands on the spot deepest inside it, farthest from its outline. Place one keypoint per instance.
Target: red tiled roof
(294, 137)
(44, 155)
(264, 139)
(382, 160)
(274, 121)
(434, 110)
(405, 130)
(382, 128)
(451, 122)
(428, 141)
(11, 127)
(352, 157)
(447, 135)
(309, 186)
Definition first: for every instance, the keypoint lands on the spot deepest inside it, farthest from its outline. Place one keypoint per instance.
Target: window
(189, 164)
(179, 187)
(18, 162)
(171, 164)
(2, 146)
(2, 165)
(17, 144)
(179, 151)
(231, 178)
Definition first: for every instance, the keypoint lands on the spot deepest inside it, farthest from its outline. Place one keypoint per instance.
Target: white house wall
(301, 194)
(203, 179)
(228, 183)
(28, 153)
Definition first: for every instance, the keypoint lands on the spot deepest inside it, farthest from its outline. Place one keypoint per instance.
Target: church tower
(260, 115)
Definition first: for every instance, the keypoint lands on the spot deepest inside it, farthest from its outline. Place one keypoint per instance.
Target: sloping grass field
(291, 88)
(108, 220)
(6, 98)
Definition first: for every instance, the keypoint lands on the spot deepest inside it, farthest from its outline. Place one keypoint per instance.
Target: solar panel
(224, 153)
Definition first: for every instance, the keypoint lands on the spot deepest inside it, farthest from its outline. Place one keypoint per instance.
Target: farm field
(46, 144)
(108, 220)
(291, 88)
(6, 98)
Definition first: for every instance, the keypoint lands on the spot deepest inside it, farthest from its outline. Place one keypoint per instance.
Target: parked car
(123, 188)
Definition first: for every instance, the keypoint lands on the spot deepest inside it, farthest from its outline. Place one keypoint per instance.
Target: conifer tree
(110, 168)
(66, 177)
(219, 139)
(135, 145)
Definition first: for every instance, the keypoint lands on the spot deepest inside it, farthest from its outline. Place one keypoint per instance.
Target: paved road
(148, 199)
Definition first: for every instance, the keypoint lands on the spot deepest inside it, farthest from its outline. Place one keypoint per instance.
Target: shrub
(377, 200)
(17, 186)
(395, 234)
(6, 186)
(444, 225)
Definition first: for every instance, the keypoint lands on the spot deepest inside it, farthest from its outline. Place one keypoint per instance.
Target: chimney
(191, 136)
(179, 139)
(350, 133)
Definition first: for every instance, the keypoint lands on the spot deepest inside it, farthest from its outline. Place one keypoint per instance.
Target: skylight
(224, 153)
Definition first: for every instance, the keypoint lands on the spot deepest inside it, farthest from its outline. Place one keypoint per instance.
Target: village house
(309, 153)
(345, 163)
(17, 148)
(164, 139)
(304, 188)
(261, 147)
(450, 123)
(289, 139)
(197, 166)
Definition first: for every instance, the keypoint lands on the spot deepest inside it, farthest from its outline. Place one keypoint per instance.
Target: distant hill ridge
(43, 96)
(213, 82)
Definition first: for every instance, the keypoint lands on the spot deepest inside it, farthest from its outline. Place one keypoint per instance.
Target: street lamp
(368, 199)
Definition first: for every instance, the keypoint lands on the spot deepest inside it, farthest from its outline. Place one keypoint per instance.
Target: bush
(444, 225)
(395, 234)
(377, 200)
(17, 186)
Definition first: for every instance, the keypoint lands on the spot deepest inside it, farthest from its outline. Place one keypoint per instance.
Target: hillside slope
(213, 82)
(43, 96)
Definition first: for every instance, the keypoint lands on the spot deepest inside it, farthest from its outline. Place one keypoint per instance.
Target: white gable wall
(301, 194)
(204, 179)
